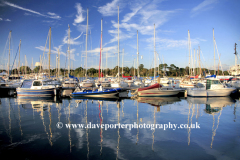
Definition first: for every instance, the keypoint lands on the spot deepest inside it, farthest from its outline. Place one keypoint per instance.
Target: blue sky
(30, 22)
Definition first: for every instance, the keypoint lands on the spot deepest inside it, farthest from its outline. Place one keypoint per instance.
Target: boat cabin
(214, 84)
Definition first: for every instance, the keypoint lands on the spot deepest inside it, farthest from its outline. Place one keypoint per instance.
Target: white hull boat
(156, 91)
(164, 80)
(87, 83)
(119, 84)
(214, 88)
(187, 84)
(138, 84)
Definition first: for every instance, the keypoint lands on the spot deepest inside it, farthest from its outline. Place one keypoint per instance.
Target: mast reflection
(213, 106)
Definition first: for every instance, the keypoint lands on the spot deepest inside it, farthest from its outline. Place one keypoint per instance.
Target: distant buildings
(235, 70)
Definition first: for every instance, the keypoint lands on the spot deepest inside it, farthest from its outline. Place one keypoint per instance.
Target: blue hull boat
(97, 93)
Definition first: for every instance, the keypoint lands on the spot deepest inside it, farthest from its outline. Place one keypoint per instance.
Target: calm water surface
(29, 128)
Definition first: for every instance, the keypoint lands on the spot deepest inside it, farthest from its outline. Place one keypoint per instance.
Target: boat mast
(154, 54)
(86, 42)
(134, 68)
(25, 66)
(214, 52)
(40, 70)
(32, 65)
(122, 61)
(68, 50)
(158, 65)
(49, 51)
(9, 53)
(56, 65)
(19, 59)
(200, 70)
(118, 44)
(101, 48)
(58, 62)
(194, 74)
(137, 56)
(189, 51)
(106, 62)
(235, 54)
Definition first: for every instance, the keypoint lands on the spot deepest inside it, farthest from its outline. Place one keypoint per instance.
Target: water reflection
(101, 130)
(214, 106)
(213, 102)
(118, 106)
(158, 101)
(31, 123)
(37, 103)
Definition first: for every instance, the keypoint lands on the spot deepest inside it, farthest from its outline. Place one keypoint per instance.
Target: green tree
(37, 68)
(25, 70)
(92, 71)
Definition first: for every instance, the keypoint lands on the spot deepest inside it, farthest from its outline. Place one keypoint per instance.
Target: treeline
(161, 70)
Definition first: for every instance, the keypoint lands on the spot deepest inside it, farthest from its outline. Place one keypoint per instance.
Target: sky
(30, 21)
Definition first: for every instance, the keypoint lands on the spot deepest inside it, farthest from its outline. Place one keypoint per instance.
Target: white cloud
(48, 21)
(109, 9)
(205, 5)
(82, 27)
(144, 14)
(1, 19)
(54, 16)
(72, 40)
(46, 50)
(79, 17)
(128, 16)
(96, 52)
(55, 51)
(27, 14)
(8, 20)
(78, 36)
(59, 47)
(171, 43)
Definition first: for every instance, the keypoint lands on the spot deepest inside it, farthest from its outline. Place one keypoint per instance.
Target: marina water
(38, 128)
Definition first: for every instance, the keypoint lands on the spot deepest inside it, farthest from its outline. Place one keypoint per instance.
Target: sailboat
(186, 82)
(71, 81)
(138, 83)
(118, 82)
(38, 87)
(87, 82)
(101, 80)
(157, 90)
(9, 84)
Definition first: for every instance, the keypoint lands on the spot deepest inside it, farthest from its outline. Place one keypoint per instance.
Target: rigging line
(205, 62)
(219, 57)
(42, 60)
(3, 55)
(65, 63)
(5, 45)
(14, 61)
(11, 45)
(52, 45)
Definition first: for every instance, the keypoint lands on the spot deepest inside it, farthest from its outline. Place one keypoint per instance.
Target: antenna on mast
(235, 49)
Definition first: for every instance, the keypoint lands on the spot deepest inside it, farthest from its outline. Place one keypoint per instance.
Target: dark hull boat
(101, 93)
